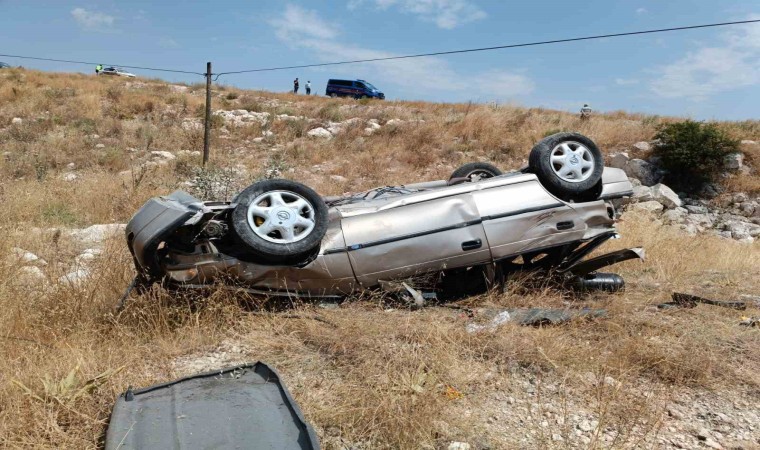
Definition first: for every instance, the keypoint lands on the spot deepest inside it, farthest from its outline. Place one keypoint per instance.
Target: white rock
(674, 215)
(71, 166)
(98, 233)
(320, 133)
(585, 426)
(734, 161)
(748, 142)
(100, 145)
(30, 276)
(642, 193)
(191, 124)
(178, 88)
(17, 121)
(27, 257)
(257, 140)
(69, 176)
(338, 178)
(394, 122)
(76, 277)
(666, 196)
(643, 146)
(459, 446)
(651, 206)
(267, 133)
(188, 153)
(87, 256)
(618, 160)
(162, 155)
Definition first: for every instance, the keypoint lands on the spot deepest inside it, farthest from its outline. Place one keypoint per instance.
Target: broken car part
(681, 300)
(240, 407)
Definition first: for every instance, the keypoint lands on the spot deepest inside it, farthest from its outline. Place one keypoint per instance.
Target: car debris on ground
(681, 300)
(534, 317)
(245, 406)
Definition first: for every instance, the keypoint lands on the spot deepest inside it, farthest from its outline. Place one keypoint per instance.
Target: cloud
(92, 20)
(297, 22)
(446, 14)
(168, 43)
(710, 70)
(418, 75)
(626, 81)
(642, 11)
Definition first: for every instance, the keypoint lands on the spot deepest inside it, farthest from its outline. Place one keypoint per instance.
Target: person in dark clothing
(295, 86)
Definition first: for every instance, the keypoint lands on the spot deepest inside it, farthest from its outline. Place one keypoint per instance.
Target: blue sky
(705, 74)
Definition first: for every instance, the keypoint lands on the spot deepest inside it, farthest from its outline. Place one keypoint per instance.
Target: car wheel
(333, 95)
(569, 165)
(280, 221)
(475, 171)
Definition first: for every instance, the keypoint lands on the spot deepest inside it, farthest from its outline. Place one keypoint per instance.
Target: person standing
(308, 87)
(98, 69)
(585, 112)
(295, 86)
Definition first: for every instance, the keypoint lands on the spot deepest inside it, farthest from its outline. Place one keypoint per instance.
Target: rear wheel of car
(475, 171)
(333, 95)
(280, 221)
(569, 165)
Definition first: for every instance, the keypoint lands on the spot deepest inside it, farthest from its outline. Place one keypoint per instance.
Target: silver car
(279, 237)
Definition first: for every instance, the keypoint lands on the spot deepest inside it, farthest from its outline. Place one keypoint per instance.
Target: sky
(703, 74)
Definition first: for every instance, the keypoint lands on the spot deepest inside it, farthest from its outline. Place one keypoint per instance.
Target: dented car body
(468, 233)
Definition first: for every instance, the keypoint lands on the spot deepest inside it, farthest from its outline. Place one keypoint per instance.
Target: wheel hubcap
(281, 217)
(572, 162)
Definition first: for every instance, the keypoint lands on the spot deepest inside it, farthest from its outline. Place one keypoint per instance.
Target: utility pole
(207, 122)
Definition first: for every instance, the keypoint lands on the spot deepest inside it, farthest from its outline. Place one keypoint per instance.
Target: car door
(415, 238)
(522, 216)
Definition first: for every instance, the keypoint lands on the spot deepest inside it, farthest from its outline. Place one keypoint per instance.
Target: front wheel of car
(280, 221)
(569, 165)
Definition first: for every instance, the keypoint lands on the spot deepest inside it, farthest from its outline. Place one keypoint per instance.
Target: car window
(360, 85)
(369, 85)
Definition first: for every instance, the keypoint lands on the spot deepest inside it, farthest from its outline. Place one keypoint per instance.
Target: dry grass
(371, 377)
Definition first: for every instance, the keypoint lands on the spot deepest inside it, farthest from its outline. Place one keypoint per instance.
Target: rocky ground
(730, 215)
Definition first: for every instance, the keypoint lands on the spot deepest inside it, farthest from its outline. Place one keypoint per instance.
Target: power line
(498, 47)
(95, 64)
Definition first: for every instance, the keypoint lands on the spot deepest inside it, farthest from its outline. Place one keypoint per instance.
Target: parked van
(352, 88)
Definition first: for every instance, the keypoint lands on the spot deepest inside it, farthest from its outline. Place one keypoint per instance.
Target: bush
(692, 152)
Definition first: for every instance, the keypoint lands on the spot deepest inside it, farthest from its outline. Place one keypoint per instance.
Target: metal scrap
(536, 317)
(681, 300)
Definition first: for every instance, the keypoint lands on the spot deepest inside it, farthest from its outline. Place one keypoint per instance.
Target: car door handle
(472, 245)
(565, 225)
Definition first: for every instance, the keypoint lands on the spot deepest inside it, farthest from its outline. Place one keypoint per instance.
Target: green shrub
(692, 152)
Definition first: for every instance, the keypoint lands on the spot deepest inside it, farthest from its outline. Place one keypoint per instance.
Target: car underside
(465, 234)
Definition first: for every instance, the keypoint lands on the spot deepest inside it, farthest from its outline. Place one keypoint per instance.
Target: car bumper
(153, 223)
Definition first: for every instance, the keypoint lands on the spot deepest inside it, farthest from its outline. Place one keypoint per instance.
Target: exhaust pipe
(607, 282)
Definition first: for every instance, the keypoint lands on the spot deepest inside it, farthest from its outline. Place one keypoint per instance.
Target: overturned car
(280, 238)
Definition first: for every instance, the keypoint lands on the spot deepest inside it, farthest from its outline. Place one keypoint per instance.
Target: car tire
(279, 221)
(475, 171)
(333, 95)
(569, 165)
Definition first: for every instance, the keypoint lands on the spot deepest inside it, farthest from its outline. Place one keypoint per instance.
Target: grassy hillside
(366, 375)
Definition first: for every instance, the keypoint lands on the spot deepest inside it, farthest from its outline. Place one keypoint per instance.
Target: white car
(115, 71)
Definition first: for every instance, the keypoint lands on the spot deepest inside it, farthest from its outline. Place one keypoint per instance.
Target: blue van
(352, 88)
